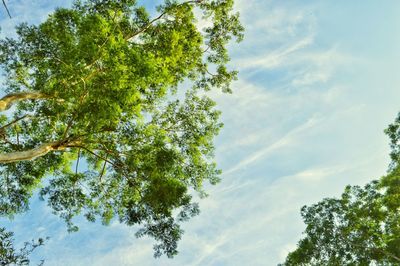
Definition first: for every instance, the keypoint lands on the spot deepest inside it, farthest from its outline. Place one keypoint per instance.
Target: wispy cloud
(282, 142)
(274, 59)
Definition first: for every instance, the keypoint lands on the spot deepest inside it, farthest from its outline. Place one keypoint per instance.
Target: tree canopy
(107, 114)
(360, 228)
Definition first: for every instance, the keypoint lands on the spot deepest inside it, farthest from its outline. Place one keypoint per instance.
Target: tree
(109, 115)
(360, 228)
(9, 255)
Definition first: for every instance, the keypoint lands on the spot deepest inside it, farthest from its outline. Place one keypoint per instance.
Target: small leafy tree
(9, 255)
(97, 110)
(360, 228)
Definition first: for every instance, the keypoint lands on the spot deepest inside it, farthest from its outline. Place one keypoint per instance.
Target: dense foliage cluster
(109, 118)
(360, 228)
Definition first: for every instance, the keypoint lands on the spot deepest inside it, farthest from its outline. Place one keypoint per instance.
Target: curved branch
(39, 151)
(77, 161)
(91, 152)
(7, 101)
(103, 169)
(5, 6)
(2, 128)
(34, 153)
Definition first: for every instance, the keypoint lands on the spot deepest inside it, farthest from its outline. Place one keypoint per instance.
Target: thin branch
(77, 161)
(103, 169)
(93, 153)
(379, 250)
(103, 44)
(14, 121)
(374, 248)
(147, 26)
(111, 152)
(390, 255)
(68, 127)
(5, 6)
(6, 141)
(8, 183)
(84, 83)
(206, 50)
(61, 61)
(16, 131)
(211, 74)
(128, 38)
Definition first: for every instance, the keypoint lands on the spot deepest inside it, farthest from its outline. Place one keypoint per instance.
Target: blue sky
(318, 84)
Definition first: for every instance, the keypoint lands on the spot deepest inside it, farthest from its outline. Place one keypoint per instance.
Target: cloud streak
(285, 141)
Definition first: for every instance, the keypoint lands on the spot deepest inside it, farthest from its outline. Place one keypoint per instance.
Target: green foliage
(9, 255)
(360, 228)
(111, 76)
(357, 229)
(393, 131)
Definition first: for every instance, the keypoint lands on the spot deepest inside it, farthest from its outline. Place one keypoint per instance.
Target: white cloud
(274, 59)
(262, 153)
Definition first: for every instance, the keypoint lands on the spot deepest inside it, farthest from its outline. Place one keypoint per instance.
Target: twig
(5, 6)
(128, 38)
(77, 161)
(211, 74)
(103, 169)
(93, 153)
(103, 44)
(14, 121)
(16, 131)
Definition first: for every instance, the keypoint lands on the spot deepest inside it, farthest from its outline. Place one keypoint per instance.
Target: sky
(318, 84)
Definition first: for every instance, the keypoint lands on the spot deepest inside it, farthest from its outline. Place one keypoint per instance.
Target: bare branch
(16, 131)
(77, 161)
(68, 127)
(5, 6)
(14, 121)
(93, 153)
(128, 38)
(103, 169)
